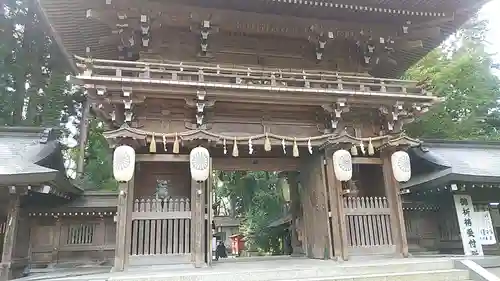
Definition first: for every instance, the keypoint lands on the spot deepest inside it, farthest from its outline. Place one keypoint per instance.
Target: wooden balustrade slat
(146, 66)
(162, 205)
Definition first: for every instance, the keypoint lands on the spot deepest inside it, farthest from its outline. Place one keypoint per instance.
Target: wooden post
(128, 224)
(121, 226)
(318, 241)
(339, 232)
(56, 240)
(100, 235)
(197, 221)
(396, 208)
(293, 183)
(193, 221)
(209, 216)
(9, 240)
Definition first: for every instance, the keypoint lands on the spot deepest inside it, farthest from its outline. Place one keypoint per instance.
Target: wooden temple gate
(337, 225)
(161, 228)
(172, 76)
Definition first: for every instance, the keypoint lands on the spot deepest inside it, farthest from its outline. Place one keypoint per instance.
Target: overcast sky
(491, 13)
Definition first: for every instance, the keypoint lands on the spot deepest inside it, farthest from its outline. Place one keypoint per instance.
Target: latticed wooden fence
(161, 227)
(368, 224)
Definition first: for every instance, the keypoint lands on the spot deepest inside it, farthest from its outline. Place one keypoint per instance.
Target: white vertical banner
(214, 244)
(485, 228)
(467, 221)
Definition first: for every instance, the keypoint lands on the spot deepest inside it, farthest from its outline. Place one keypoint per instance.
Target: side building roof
(440, 161)
(33, 157)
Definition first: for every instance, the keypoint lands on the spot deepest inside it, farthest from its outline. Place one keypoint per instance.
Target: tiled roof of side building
(26, 155)
(458, 160)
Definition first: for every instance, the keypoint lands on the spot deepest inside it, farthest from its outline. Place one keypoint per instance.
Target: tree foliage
(256, 197)
(98, 171)
(461, 73)
(34, 90)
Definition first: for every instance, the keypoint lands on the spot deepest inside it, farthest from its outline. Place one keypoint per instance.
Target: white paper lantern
(123, 163)
(199, 162)
(342, 163)
(401, 167)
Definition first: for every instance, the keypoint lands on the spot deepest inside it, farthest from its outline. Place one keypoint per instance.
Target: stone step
(396, 267)
(309, 275)
(436, 275)
(435, 269)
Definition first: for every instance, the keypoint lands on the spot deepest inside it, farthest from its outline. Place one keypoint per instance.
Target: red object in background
(237, 243)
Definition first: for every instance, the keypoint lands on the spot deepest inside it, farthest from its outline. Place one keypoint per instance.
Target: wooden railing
(206, 73)
(368, 225)
(161, 227)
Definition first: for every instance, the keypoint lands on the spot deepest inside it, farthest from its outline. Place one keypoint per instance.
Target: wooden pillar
(193, 221)
(209, 217)
(123, 222)
(398, 229)
(339, 231)
(293, 183)
(197, 220)
(22, 248)
(56, 240)
(100, 236)
(128, 224)
(9, 240)
(318, 242)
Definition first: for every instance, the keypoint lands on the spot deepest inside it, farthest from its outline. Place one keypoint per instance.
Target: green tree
(98, 167)
(461, 73)
(33, 86)
(257, 199)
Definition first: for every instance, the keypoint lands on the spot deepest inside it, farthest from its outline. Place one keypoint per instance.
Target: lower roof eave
(63, 184)
(442, 178)
(476, 178)
(28, 178)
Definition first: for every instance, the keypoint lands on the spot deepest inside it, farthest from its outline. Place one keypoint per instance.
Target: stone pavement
(274, 268)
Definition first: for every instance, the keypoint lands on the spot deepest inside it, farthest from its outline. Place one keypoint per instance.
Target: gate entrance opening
(252, 206)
